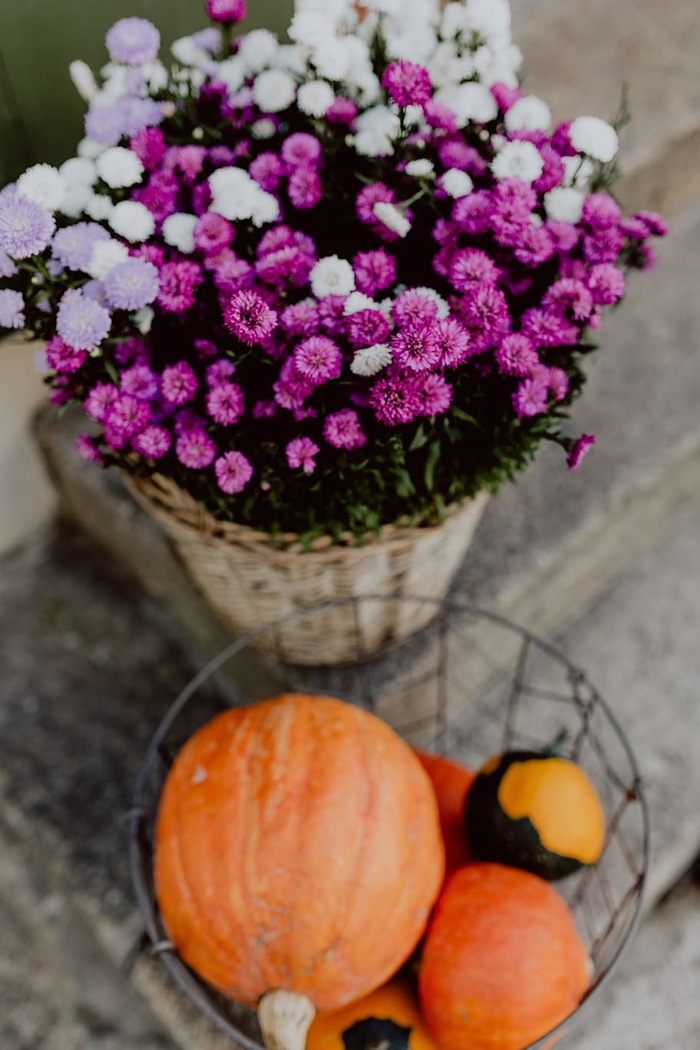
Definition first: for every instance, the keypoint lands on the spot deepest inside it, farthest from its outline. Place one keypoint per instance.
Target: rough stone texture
(578, 55)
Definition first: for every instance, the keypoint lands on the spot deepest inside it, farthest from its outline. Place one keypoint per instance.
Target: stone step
(578, 56)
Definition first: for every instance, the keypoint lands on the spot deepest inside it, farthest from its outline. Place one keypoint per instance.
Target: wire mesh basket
(471, 685)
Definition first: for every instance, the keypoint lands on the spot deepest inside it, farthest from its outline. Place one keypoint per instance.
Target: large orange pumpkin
(297, 847)
(451, 783)
(502, 960)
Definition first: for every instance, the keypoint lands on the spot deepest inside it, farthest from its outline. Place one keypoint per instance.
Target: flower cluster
(328, 284)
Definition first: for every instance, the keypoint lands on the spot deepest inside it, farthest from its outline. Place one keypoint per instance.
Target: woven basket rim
(165, 500)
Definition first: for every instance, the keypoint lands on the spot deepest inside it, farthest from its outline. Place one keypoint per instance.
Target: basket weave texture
(251, 578)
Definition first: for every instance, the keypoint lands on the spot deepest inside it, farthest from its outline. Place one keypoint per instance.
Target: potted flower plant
(319, 298)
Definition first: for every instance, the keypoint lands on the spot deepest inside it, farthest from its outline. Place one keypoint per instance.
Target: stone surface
(577, 57)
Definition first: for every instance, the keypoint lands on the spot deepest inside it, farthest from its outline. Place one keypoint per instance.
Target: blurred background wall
(41, 118)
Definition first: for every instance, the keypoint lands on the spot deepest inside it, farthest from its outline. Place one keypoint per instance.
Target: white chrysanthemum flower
(420, 168)
(491, 19)
(188, 52)
(564, 204)
(99, 207)
(290, 58)
(312, 29)
(143, 319)
(460, 69)
(132, 221)
(263, 128)
(155, 75)
(227, 180)
(529, 113)
(43, 184)
(594, 137)
(274, 90)
(518, 160)
(315, 98)
(455, 21)
(358, 301)
(456, 183)
(385, 7)
(119, 167)
(334, 9)
(364, 86)
(78, 170)
(258, 49)
(469, 102)
(178, 231)
(105, 256)
(377, 128)
(331, 59)
(440, 63)
(264, 207)
(231, 72)
(83, 79)
(535, 219)
(578, 171)
(75, 200)
(414, 44)
(114, 87)
(370, 360)
(90, 149)
(435, 297)
(332, 276)
(392, 217)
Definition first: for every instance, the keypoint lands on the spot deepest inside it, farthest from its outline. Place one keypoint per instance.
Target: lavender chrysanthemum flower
(374, 271)
(396, 400)
(436, 395)
(579, 450)
(407, 83)
(11, 309)
(342, 430)
(140, 381)
(195, 449)
(62, 357)
(225, 403)
(416, 348)
(73, 245)
(318, 359)
(127, 415)
(178, 383)
(131, 284)
(25, 226)
(82, 322)
(7, 267)
(105, 124)
(152, 442)
(301, 452)
(606, 284)
(530, 399)
(99, 399)
(220, 371)
(233, 472)
(133, 41)
(516, 355)
(249, 317)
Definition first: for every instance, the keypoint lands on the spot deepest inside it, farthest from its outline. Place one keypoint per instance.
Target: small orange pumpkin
(297, 847)
(451, 783)
(502, 961)
(388, 1017)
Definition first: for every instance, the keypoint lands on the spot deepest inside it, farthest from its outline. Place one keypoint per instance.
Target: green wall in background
(41, 115)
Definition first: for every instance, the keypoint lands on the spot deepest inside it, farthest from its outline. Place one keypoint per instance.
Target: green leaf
(420, 438)
(430, 464)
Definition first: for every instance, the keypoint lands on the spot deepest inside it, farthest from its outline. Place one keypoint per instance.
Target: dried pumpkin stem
(285, 1018)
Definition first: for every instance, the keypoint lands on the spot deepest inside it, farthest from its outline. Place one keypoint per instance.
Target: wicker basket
(252, 579)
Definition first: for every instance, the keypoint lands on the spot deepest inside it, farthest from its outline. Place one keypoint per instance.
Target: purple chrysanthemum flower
(570, 298)
(151, 253)
(265, 409)
(301, 452)
(87, 449)
(149, 146)
(455, 153)
(178, 281)
(558, 383)
(25, 226)
(127, 415)
(206, 349)
(219, 372)
(82, 322)
(62, 357)
(152, 442)
(138, 113)
(473, 213)
(225, 403)
(416, 348)
(300, 319)
(606, 284)
(407, 83)
(603, 246)
(534, 246)
(288, 265)
(564, 234)
(548, 328)
(342, 430)
(233, 472)
(412, 307)
(11, 309)
(600, 211)
(226, 10)
(99, 399)
(530, 399)
(131, 352)
(301, 149)
(436, 395)
(440, 116)
(470, 265)
(375, 193)
(133, 41)
(195, 449)
(188, 160)
(453, 341)
(249, 317)
(656, 226)
(267, 169)
(231, 274)
(73, 245)
(292, 388)
(212, 233)
(140, 381)
(131, 284)
(485, 309)
(318, 359)
(579, 450)
(396, 400)
(178, 383)
(7, 267)
(341, 111)
(105, 124)
(516, 355)
(160, 196)
(305, 187)
(374, 271)
(368, 327)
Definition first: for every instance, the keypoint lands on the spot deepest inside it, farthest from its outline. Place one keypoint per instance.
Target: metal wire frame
(520, 691)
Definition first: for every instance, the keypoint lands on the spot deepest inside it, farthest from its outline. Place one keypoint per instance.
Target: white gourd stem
(285, 1018)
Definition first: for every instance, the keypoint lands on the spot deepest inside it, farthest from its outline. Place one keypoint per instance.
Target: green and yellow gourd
(536, 811)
